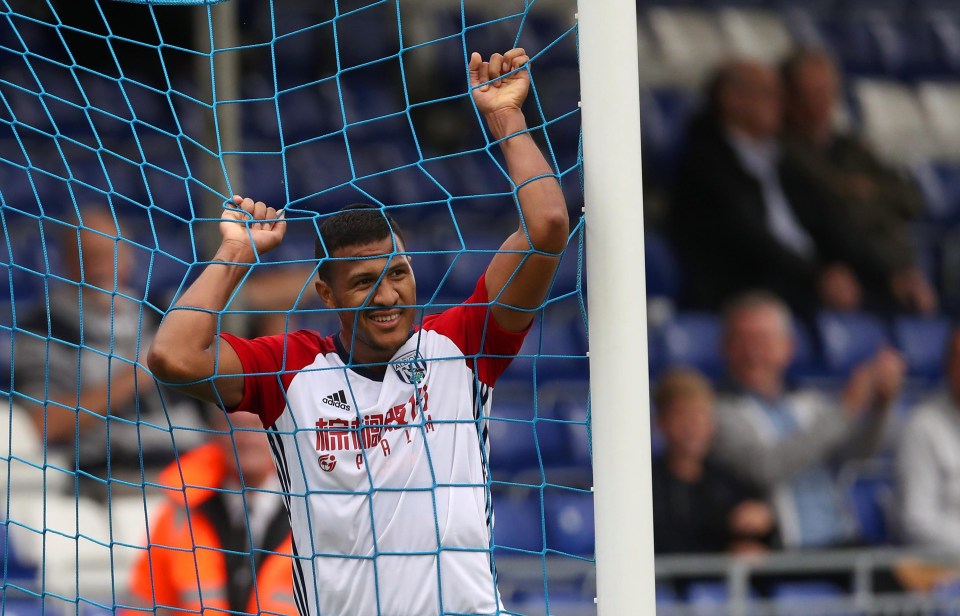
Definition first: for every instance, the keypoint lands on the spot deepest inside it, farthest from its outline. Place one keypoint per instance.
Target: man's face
(98, 260)
(99, 249)
(758, 347)
(247, 443)
(687, 425)
(383, 288)
(816, 90)
(753, 101)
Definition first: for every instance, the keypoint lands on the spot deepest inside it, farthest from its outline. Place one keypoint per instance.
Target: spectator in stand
(74, 365)
(783, 442)
(928, 464)
(879, 201)
(698, 507)
(745, 215)
(200, 558)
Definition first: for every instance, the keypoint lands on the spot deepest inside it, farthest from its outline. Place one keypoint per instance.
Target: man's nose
(386, 294)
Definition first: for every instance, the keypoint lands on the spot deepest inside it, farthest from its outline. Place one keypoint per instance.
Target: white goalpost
(613, 198)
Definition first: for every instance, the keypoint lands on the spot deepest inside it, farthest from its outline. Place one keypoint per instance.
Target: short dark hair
(353, 225)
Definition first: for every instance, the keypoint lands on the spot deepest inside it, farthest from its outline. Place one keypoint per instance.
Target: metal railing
(855, 572)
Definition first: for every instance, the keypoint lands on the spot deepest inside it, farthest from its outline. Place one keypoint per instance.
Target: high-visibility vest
(186, 564)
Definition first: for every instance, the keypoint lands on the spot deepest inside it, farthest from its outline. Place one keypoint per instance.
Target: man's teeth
(386, 319)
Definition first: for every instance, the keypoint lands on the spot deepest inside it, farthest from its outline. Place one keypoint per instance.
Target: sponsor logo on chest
(369, 432)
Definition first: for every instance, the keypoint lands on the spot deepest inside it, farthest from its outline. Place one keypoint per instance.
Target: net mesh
(124, 128)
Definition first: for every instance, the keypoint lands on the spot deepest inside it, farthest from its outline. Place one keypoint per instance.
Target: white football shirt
(385, 477)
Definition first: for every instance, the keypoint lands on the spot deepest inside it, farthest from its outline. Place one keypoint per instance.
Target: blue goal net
(125, 127)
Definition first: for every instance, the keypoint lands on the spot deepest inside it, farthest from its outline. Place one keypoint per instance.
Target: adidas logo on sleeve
(338, 400)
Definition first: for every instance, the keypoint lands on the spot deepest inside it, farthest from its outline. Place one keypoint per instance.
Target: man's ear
(325, 292)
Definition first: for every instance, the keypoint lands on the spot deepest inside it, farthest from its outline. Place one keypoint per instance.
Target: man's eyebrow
(372, 272)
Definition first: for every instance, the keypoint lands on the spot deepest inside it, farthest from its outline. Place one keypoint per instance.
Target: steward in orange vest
(199, 558)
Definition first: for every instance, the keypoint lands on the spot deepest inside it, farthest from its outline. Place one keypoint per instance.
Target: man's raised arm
(543, 209)
(186, 349)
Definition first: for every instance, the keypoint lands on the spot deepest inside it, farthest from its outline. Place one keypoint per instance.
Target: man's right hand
(874, 383)
(254, 238)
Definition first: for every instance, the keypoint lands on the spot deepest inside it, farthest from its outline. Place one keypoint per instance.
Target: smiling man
(378, 430)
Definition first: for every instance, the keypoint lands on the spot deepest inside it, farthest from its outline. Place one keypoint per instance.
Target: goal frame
(616, 300)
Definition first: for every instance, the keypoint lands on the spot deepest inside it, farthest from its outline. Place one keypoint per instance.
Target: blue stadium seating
(849, 339)
(693, 339)
(940, 185)
(666, 595)
(922, 342)
(792, 594)
(708, 597)
(11, 568)
(25, 606)
(662, 269)
(521, 443)
(517, 525)
(799, 597)
(569, 521)
(868, 495)
(656, 353)
(806, 363)
(560, 602)
(664, 114)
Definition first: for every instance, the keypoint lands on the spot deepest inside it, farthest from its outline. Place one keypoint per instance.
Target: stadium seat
(19, 603)
(869, 489)
(849, 39)
(664, 114)
(559, 336)
(848, 339)
(517, 525)
(940, 186)
(922, 342)
(568, 399)
(756, 33)
(693, 339)
(11, 567)
(793, 596)
(905, 45)
(806, 362)
(944, 19)
(656, 352)
(690, 42)
(940, 102)
(893, 120)
(662, 269)
(708, 597)
(666, 595)
(519, 443)
(568, 603)
(569, 521)
(22, 454)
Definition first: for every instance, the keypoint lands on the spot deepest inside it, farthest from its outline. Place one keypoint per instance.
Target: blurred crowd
(777, 218)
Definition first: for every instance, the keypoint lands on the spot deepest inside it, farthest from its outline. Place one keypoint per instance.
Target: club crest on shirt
(411, 368)
(328, 462)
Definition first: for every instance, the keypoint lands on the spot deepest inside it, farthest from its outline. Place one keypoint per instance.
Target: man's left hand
(500, 85)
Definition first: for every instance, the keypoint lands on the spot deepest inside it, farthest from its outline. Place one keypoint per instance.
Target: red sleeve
(269, 364)
(487, 347)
